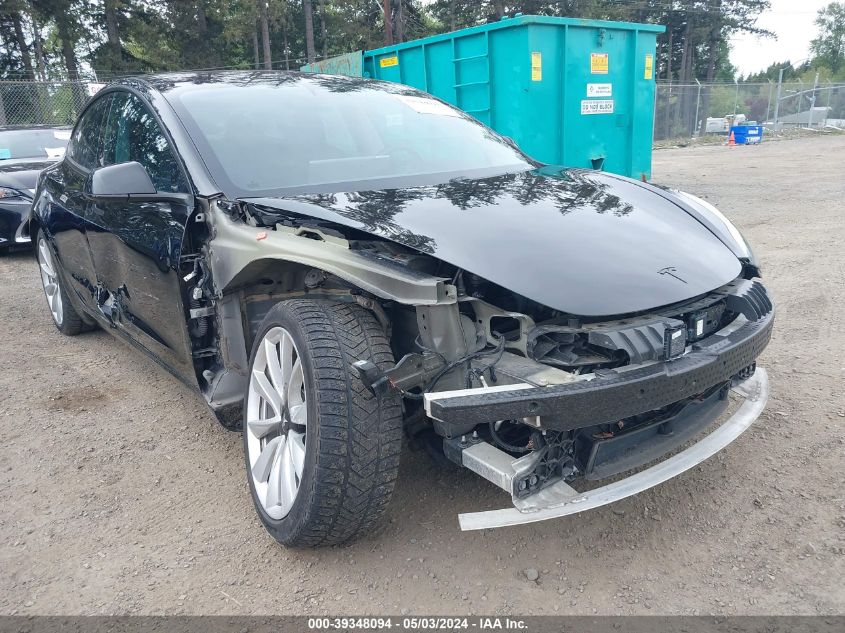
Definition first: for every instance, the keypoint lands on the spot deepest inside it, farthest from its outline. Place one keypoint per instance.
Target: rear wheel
(65, 317)
(322, 452)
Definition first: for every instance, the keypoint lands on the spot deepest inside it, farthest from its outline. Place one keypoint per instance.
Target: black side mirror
(127, 181)
(120, 181)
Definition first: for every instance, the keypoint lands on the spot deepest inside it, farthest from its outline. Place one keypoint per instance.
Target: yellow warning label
(536, 67)
(649, 67)
(598, 63)
(389, 61)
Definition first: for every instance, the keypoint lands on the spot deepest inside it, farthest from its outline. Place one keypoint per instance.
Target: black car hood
(22, 174)
(582, 242)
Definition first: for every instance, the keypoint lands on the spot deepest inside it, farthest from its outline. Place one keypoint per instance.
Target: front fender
(235, 245)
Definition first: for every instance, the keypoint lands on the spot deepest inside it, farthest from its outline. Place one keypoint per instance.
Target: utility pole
(400, 21)
(264, 18)
(388, 22)
(310, 51)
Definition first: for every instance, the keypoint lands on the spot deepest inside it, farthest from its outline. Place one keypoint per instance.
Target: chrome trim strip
(754, 390)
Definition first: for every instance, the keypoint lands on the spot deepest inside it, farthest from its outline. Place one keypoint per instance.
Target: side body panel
(136, 246)
(65, 210)
(136, 249)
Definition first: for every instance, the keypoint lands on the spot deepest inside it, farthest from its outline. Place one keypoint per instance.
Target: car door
(64, 205)
(136, 245)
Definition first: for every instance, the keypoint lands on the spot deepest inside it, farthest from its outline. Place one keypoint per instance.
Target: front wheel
(322, 452)
(65, 317)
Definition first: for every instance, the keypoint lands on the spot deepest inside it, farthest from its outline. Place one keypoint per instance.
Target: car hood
(22, 174)
(582, 242)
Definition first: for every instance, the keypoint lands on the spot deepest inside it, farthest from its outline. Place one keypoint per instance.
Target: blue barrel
(747, 134)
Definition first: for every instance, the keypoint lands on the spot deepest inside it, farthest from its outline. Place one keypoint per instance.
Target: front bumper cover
(561, 499)
(612, 395)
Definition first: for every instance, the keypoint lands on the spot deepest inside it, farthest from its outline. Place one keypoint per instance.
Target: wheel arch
(253, 268)
(242, 305)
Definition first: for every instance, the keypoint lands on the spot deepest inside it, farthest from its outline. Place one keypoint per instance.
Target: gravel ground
(120, 494)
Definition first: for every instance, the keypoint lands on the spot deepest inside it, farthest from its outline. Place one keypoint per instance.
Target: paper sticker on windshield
(5, 153)
(598, 63)
(427, 106)
(54, 152)
(597, 106)
(62, 135)
(389, 61)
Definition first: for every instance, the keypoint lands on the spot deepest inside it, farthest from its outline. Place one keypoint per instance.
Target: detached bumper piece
(560, 499)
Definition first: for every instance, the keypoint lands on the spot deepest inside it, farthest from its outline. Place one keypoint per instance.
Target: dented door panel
(136, 248)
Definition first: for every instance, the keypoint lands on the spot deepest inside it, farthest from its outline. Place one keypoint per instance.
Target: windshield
(330, 134)
(45, 143)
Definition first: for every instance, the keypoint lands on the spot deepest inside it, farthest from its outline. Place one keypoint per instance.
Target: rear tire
(321, 450)
(65, 317)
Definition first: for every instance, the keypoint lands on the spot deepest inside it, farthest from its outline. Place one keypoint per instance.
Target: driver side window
(133, 134)
(83, 147)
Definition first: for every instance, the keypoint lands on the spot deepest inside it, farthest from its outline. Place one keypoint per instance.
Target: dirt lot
(121, 494)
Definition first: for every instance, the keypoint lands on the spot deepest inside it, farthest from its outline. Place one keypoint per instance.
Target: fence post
(736, 96)
(800, 101)
(654, 112)
(812, 101)
(769, 105)
(697, 129)
(777, 100)
(829, 93)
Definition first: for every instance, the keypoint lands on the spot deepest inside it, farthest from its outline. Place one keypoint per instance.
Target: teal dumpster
(568, 91)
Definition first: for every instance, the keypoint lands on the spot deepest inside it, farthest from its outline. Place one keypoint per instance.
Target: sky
(793, 23)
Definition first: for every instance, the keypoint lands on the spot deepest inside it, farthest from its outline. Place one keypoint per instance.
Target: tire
(65, 317)
(351, 438)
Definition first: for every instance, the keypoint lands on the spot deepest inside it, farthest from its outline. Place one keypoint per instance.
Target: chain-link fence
(681, 111)
(689, 110)
(25, 103)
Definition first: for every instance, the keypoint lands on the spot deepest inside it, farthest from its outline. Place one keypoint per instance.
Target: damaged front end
(533, 407)
(529, 397)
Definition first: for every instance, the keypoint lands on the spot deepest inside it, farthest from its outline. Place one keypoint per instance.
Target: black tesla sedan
(24, 152)
(333, 261)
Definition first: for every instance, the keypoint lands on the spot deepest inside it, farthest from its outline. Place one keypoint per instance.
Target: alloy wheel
(276, 422)
(50, 280)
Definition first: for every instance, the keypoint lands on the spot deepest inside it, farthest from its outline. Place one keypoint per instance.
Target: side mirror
(128, 181)
(121, 181)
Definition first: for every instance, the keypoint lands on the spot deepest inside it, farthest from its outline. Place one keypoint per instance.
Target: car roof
(165, 83)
